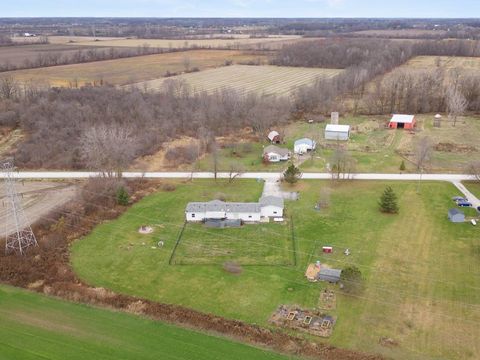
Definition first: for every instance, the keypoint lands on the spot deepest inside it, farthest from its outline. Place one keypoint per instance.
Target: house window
(274, 212)
(193, 215)
(249, 216)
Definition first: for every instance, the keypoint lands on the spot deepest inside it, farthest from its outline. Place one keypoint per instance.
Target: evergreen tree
(352, 280)
(122, 196)
(402, 166)
(388, 201)
(292, 174)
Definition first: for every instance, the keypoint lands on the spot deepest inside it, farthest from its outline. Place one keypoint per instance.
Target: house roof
(217, 205)
(304, 141)
(273, 134)
(405, 119)
(276, 150)
(453, 212)
(329, 274)
(337, 128)
(271, 200)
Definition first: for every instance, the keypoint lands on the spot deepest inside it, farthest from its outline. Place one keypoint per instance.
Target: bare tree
(456, 104)
(109, 149)
(473, 168)
(342, 165)
(9, 88)
(186, 63)
(235, 170)
(423, 152)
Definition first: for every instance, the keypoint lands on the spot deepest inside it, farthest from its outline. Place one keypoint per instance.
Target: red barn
(402, 122)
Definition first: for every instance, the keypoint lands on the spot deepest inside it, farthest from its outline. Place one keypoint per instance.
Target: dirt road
(38, 199)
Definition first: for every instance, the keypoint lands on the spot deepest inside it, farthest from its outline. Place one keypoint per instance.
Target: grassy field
(186, 44)
(38, 327)
(128, 70)
(270, 80)
(421, 271)
(448, 62)
(259, 244)
(474, 187)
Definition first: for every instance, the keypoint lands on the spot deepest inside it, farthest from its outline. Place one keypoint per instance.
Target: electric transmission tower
(22, 237)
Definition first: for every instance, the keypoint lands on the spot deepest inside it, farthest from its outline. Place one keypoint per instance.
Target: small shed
(274, 153)
(337, 132)
(400, 121)
(330, 275)
(456, 216)
(274, 137)
(304, 145)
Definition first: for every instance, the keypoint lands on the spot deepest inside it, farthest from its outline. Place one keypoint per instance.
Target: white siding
(198, 216)
(336, 135)
(272, 211)
(215, 214)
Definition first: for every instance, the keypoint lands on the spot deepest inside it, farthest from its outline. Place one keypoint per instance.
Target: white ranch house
(274, 153)
(267, 207)
(304, 145)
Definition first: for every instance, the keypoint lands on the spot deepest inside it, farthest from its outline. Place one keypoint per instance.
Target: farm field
(448, 62)
(266, 79)
(409, 296)
(401, 33)
(37, 327)
(127, 70)
(192, 43)
(17, 55)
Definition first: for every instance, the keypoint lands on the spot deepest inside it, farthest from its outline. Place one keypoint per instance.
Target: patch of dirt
(456, 148)
(48, 267)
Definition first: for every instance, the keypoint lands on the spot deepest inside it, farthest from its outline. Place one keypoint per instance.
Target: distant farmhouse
(337, 132)
(267, 207)
(274, 153)
(402, 122)
(304, 145)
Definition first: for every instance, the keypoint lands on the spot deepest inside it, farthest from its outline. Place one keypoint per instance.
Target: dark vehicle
(458, 198)
(464, 204)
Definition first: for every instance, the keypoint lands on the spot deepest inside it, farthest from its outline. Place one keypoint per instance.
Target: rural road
(269, 176)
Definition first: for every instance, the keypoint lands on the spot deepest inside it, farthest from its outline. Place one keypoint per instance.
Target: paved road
(248, 175)
(453, 178)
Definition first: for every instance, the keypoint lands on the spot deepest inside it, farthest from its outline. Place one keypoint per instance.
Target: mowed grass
(474, 187)
(37, 327)
(422, 273)
(265, 79)
(127, 70)
(256, 244)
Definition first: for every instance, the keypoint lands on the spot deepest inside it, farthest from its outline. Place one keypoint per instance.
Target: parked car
(458, 198)
(464, 204)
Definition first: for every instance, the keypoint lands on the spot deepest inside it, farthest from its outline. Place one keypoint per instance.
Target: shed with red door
(400, 121)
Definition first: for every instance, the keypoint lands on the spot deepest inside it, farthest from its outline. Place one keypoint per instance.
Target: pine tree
(122, 196)
(292, 174)
(402, 166)
(388, 201)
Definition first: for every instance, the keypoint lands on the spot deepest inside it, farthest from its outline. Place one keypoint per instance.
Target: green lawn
(474, 187)
(421, 272)
(34, 326)
(256, 244)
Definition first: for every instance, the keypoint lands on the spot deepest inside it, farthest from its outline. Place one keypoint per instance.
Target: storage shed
(456, 216)
(274, 137)
(399, 121)
(337, 132)
(304, 145)
(330, 275)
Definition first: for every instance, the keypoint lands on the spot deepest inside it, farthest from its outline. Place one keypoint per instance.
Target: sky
(242, 8)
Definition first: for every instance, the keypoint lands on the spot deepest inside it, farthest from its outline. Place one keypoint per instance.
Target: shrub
(352, 280)
(122, 197)
(402, 166)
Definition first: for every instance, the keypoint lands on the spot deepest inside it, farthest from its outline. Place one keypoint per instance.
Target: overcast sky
(242, 8)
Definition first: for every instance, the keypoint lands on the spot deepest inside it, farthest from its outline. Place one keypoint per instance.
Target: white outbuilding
(337, 132)
(304, 145)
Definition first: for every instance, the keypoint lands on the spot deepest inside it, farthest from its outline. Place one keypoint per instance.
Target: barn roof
(405, 119)
(273, 134)
(276, 150)
(337, 128)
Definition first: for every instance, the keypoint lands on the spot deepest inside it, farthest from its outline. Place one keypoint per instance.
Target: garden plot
(269, 80)
(253, 244)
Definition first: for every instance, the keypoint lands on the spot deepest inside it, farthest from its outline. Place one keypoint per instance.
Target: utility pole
(22, 237)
